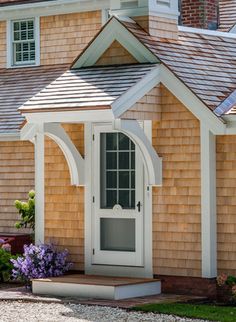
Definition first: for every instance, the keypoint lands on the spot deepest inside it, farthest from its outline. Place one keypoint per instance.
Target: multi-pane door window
(23, 41)
(117, 171)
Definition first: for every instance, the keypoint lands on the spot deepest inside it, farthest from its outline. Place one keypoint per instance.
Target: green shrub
(6, 265)
(27, 212)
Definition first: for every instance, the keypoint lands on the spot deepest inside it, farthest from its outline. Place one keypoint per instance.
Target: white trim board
(39, 185)
(136, 92)
(208, 203)
(70, 116)
(9, 137)
(49, 8)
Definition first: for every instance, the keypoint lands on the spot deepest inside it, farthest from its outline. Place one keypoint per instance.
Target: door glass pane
(124, 177)
(117, 234)
(123, 142)
(124, 196)
(117, 174)
(124, 160)
(111, 179)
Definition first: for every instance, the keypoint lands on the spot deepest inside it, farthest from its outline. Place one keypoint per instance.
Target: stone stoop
(96, 287)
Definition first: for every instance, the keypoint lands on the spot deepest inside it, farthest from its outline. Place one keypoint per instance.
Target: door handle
(139, 206)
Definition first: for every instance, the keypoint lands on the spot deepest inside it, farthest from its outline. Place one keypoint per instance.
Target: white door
(117, 230)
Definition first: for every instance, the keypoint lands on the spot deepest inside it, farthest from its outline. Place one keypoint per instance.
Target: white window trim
(10, 63)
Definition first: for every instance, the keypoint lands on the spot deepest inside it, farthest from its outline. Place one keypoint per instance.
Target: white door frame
(114, 257)
(147, 269)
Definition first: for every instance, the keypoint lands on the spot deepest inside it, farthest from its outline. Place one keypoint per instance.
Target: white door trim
(147, 269)
(121, 258)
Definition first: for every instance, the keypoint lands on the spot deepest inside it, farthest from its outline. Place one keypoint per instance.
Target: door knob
(139, 206)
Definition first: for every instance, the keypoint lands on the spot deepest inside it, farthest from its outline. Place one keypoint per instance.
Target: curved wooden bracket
(74, 159)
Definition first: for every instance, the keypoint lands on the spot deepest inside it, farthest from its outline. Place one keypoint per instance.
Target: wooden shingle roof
(205, 63)
(227, 14)
(87, 88)
(17, 86)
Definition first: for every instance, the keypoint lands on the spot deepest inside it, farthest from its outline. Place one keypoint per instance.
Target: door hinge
(93, 251)
(93, 199)
(93, 137)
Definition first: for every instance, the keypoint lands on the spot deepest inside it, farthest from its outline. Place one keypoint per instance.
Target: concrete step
(96, 287)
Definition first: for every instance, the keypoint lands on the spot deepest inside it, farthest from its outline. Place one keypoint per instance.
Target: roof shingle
(87, 88)
(227, 12)
(205, 63)
(17, 86)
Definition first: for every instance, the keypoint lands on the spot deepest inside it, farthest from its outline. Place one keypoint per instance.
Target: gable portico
(185, 243)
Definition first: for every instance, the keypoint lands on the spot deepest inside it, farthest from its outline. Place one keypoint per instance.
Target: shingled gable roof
(89, 88)
(16, 87)
(204, 62)
(227, 14)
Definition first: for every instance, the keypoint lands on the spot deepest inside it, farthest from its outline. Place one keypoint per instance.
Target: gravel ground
(42, 312)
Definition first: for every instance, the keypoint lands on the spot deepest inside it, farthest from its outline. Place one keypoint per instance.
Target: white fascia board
(194, 104)
(208, 32)
(152, 162)
(136, 92)
(9, 137)
(70, 116)
(114, 30)
(51, 8)
(73, 157)
(134, 12)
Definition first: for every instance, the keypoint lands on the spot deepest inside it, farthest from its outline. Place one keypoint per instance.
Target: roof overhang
(92, 93)
(48, 8)
(117, 30)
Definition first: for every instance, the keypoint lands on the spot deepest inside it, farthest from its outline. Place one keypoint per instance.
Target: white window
(23, 42)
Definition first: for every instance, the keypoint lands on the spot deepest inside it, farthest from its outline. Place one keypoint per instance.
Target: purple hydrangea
(39, 262)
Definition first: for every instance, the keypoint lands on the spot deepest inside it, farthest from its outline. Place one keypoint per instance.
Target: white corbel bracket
(152, 162)
(73, 157)
(56, 132)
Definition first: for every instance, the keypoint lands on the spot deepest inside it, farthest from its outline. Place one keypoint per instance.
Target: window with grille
(23, 42)
(117, 171)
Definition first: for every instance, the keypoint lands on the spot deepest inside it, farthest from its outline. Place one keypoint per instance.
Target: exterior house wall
(177, 204)
(3, 48)
(147, 108)
(64, 204)
(62, 37)
(116, 54)
(16, 179)
(226, 203)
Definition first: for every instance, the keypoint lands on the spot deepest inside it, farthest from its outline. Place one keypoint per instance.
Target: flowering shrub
(27, 212)
(229, 280)
(39, 262)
